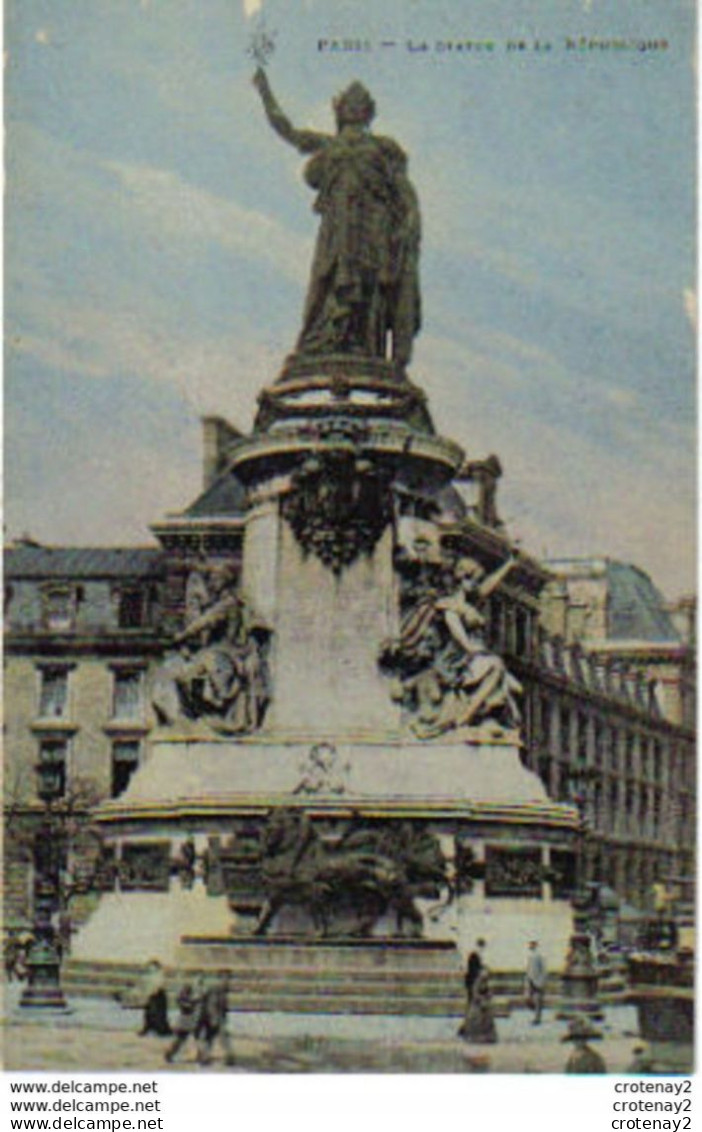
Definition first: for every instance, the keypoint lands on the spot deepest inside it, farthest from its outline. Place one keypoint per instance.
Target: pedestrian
(583, 1059)
(535, 981)
(642, 1061)
(189, 1018)
(479, 1023)
(213, 1021)
(64, 933)
(26, 942)
(155, 1019)
(11, 954)
(473, 968)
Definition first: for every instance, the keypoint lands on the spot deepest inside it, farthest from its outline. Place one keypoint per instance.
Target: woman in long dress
(479, 1022)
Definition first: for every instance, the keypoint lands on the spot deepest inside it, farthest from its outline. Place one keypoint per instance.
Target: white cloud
(566, 489)
(622, 398)
(100, 342)
(183, 210)
(131, 485)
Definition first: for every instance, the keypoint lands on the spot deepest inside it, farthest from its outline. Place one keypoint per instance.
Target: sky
(159, 237)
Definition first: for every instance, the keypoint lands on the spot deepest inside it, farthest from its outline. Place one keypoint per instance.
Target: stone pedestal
(356, 563)
(136, 927)
(468, 795)
(43, 990)
(579, 982)
(328, 634)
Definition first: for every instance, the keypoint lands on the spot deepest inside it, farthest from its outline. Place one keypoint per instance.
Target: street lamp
(580, 976)
(43, 987)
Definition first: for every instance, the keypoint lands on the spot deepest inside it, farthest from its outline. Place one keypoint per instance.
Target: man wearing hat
(583, 1059)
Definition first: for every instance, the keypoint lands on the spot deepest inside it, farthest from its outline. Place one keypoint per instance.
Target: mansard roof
(225, 496)
(636, 609)
(32, 561)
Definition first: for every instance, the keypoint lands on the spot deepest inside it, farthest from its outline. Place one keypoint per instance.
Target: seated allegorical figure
(219, 671)
(448, 676)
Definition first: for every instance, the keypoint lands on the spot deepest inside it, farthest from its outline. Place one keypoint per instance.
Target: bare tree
(62, 830)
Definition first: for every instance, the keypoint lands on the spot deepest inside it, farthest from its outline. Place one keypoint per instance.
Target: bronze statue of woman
(363, 297)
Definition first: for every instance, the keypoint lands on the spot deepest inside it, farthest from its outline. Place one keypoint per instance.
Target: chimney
(218, 437)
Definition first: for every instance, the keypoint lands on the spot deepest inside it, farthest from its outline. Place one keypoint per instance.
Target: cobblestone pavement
(99, 1035)
(32, 1047)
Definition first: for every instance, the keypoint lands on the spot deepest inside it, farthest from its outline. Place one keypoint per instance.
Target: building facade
(83, 634)
(608, 683)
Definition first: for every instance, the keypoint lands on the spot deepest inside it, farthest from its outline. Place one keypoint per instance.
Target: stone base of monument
(193, 774)
(476, 798)
(136, 927)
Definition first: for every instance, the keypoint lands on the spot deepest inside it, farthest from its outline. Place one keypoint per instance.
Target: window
(643, 811)
(615, 822)
(614, 749)
(582, 728)
(657, 811)
(52, 769)
(131, 609)
(125, 760)
(538, 720)
(59, 608)
(523, 635)
(630, 755)
(53, 695)
(657, 769)
(597, 805)
(565, 731)
(598, 742)
(127, 694)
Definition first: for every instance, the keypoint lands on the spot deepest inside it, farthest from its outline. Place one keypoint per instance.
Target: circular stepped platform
(352, 977)
(401, 977)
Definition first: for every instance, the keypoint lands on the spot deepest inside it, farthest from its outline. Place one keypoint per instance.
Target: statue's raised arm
(306, 141)
(490, 584)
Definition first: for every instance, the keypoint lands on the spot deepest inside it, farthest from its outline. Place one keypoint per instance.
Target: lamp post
(580, 978)
(43, 987)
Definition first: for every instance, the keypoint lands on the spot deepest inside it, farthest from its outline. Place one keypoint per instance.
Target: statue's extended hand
(260, 81)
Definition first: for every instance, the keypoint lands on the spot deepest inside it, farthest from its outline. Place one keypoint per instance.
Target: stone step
(260, 984)
(282, 974)
(287, 994)
(119, 976)
(263, 985)
(305, 978)
(350, 954)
